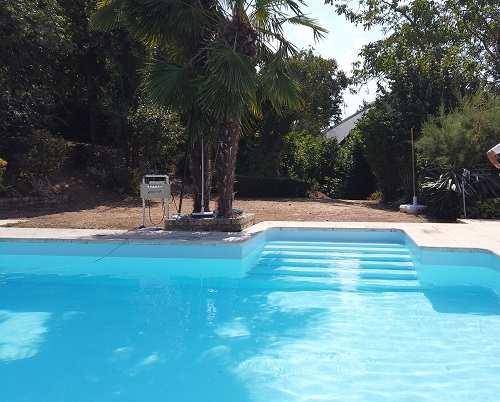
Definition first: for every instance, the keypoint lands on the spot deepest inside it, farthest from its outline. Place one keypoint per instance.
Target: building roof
(342, 130)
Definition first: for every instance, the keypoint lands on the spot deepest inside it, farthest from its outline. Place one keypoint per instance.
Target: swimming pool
(288, 316)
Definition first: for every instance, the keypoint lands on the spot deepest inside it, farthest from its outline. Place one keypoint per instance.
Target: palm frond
(157, 22)
(171, 85)
(318, 30)
(279, 84)
(107, 16)
(228, 88)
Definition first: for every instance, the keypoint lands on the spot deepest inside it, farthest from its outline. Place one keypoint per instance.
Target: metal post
(413, 169)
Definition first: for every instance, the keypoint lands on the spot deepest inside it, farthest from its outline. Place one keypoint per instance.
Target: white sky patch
(21, 334)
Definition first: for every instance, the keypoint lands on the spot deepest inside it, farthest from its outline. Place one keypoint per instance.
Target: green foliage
(34, 47)
(258, 156)
(423, 61)
(322, 85)
(444, 190)
(359, 181)
(3, 168)
(454, 143)
(45, 156)
(487, 209)
(306, 157)
(478, 24)
(385, 148)
(460, 139)
(159, 133)
(274, 187)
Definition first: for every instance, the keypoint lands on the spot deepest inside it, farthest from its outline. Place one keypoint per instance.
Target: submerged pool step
(335, 266)
(286, 282)
(344, 262)
(336, 272)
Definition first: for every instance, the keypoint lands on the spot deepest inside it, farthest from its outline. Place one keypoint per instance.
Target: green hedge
(273, 187)
(3, 167)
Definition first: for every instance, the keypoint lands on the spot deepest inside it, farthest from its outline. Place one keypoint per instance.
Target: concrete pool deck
(463, 235)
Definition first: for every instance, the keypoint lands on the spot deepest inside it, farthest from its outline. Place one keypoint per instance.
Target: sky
(343, 43)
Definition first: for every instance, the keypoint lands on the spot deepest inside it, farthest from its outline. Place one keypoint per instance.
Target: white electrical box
(154, 186)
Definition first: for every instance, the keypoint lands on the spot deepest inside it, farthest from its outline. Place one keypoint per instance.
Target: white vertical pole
(413, 170)
(202, 207)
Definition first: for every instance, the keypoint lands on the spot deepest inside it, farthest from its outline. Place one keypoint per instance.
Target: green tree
(479, 23)
(34, 46)
(221, 61)
(314, 159)
(385, 150)
(460, 138)
(322, 84)
(158, 132)
(452, 152)
(421, 63)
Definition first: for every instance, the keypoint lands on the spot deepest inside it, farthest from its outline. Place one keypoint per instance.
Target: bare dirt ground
(90, 206)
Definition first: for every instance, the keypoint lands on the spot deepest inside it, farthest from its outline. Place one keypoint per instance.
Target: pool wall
(234, 258)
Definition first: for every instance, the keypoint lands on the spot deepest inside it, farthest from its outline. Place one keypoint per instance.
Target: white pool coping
(464, 235)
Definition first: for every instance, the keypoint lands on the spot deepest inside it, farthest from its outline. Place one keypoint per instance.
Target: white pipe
(202, 207)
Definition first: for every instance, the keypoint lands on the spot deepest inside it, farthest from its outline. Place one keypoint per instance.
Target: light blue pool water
(292, 316)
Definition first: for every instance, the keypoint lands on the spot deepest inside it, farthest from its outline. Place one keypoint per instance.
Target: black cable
(163, 212)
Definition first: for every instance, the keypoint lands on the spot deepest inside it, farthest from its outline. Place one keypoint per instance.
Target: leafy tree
(385, 150)
(420, 64)
(322, 84)
(452, 150)
(306, 157)
(212, 72)
(158, 132)
(460, 138)
(478, 21)
(33, 49)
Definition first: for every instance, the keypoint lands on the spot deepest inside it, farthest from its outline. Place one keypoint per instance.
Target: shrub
(159, 132)
(461, 138)
(45, 156)
(359, 181)
(315, 160)
(444, 190)
(3, 167)
(487, 209)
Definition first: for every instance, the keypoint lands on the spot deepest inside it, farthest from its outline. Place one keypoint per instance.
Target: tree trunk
(229, 138)
(196, 160)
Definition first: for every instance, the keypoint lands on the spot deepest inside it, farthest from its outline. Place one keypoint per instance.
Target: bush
(444, 190)
(274, 187)
(45, 156)
(317, 160)
(3, 167)
(159, 133)
(487, 209)
(386, 149)
(359, 181)
(460, 139)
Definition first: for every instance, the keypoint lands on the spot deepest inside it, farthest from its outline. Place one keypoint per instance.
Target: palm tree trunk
(229, 138)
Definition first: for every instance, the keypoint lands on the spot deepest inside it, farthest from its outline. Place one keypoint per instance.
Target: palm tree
(214, 61)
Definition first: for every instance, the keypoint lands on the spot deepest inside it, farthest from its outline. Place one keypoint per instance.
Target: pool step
(335, 266)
